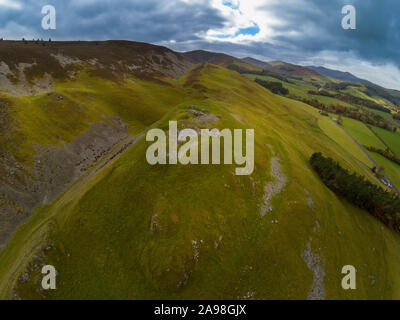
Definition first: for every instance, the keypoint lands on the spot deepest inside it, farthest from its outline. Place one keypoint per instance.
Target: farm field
(293, 88)
(362, 134)
(333, 131)
(392, 139)
(391, 169)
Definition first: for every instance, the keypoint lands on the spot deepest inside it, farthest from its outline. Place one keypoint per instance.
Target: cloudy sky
(307, 32)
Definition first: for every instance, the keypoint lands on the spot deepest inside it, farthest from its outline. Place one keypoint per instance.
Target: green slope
(137, 231)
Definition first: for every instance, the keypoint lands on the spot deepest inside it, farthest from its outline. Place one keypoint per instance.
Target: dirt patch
(206, 119)
(275, 187)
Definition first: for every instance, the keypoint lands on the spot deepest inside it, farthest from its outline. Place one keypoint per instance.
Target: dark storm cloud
(319, 24)
(141, 20)
(307, 28)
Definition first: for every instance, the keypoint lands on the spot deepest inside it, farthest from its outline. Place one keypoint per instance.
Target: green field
(338, 135)
(392, 139)
(362, 134)
(332, 101)
(367, 138)
(391, 168)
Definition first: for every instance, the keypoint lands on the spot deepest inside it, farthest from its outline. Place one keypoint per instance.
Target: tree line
(382, 204)
(351, 100)
(274, 87)
(386, 153)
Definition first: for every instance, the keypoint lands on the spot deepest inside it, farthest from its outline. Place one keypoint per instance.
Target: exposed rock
(275, 187)
(310, 202)
(192, 107)
(205, 119)
(65, 61)
(54, 170)
(195, 113)
(317, 265)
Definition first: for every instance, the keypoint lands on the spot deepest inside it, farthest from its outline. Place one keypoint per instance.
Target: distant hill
(338, 75)
(202, 56)
(258, 63)
(283, 68)
(288, 69)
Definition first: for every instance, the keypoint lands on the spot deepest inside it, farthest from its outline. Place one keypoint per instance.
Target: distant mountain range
(288, 69)
(338, 75)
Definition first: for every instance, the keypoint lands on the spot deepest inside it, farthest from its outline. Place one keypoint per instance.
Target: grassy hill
(134, 231)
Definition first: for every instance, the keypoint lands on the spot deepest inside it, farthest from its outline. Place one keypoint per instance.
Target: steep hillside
(64, 106)
(132, 230)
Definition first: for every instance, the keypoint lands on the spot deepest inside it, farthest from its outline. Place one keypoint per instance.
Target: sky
(307, 32)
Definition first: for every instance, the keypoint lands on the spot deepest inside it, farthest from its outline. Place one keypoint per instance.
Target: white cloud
(244, 14)
(11, 4)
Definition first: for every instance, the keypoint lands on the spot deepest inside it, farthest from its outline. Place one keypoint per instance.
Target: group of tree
(321, 92)
(37, 41)
(274, 87)
(388, 154)
(367, 117)
(374, 90)
(333, 86)
(361, 102)
(361, 192)
(312, 102)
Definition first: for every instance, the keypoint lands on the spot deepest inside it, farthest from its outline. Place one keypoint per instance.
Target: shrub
(274, 87)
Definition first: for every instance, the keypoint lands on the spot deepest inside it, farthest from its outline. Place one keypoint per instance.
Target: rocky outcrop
(54, 170)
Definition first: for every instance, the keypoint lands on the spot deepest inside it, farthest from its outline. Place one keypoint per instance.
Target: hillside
(283, 68)
(64, 107)
(258, 63)
(202, 56)
(117, 228)
(338, 75)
